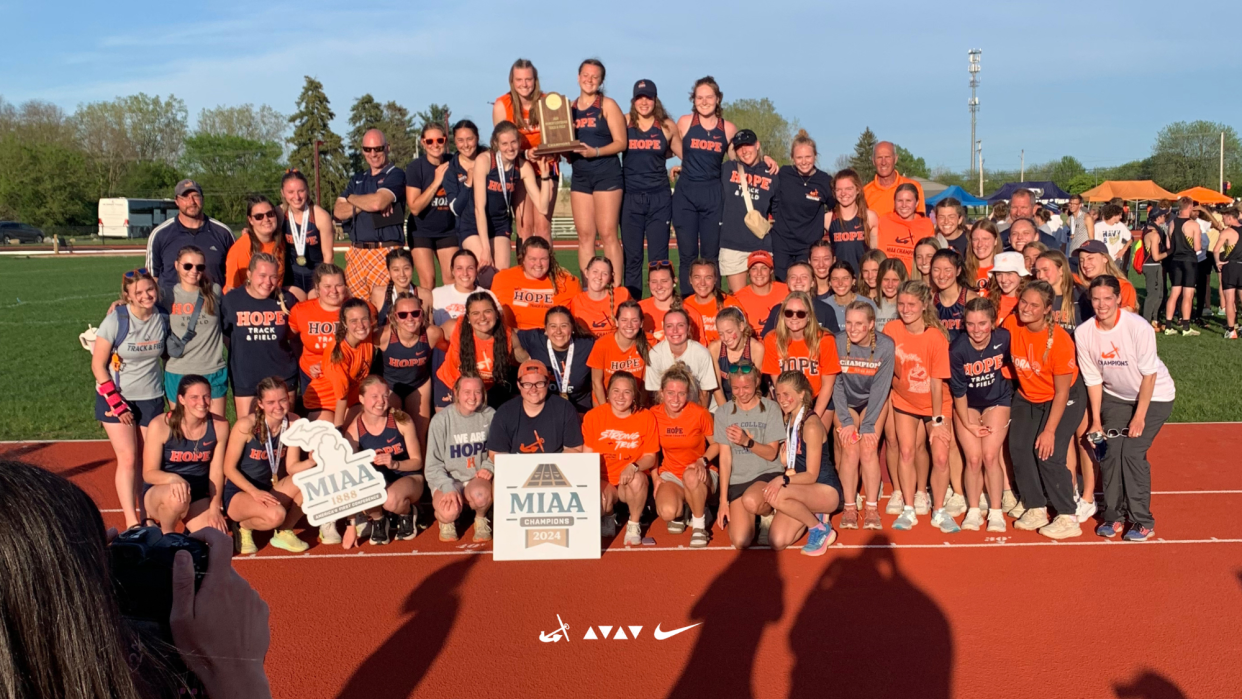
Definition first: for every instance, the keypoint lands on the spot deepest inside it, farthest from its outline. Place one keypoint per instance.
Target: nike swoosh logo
(661, 635)
(997, 346)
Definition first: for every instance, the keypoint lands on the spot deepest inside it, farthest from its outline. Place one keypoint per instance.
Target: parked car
(12, 231)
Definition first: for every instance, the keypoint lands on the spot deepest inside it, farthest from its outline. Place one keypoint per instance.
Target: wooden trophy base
(545, 149)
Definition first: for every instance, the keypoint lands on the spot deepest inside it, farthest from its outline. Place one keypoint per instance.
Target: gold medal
(301, 260)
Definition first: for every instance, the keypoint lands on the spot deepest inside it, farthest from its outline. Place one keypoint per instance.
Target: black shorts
(230, 490)
(1182, 273)
(603, 175)
(1231, 275)
(246, 389)
(144, 410)
(737, 489)
(404, 390)
(199, 487)
(392, 475)
(448, 240)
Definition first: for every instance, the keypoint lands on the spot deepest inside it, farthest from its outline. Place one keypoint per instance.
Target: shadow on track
(1148, 685)
(398, 666)
(735, 610)
(860, 616)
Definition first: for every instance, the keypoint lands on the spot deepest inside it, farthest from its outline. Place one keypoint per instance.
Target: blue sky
(1058, 78)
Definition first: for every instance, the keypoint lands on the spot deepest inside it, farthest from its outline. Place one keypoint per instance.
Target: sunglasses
(795, 314)
(660, 264)
(535, 384)
(1113, 434)
(260, 217)
(403, 315)
(140, 272)
(187, 266)
(742, 368)
(373, 149)
(434, 141)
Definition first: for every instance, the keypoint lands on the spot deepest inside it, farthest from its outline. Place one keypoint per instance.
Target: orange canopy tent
(1203, 195)
(1129, 190)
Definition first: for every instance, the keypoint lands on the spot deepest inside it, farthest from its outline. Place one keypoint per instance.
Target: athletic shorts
(733, 261)
(219, 381)
(668, 476)
(248, 390)
(602, 175)
(392, 475)
(230, 490)
(199, 487)
(737, 489)
(440, 243)
(144, 410)
(1231, 275)
(1182, 273)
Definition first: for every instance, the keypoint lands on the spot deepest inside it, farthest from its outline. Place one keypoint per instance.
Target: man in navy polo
(372, 204)
(189, 227)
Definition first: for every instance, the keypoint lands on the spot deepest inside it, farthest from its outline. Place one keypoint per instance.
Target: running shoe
(677, 525)
(405, 529)
(1063, 527)
(895, 504)
(983, 502)
(380, 531)
(858, 501)
(974, 520)
(245, 544)
(1084, 510)
(1220, 313)
(286, 540)
(633, 534)
(698, 538)
(1139, 533)
(871, 519)
(1189, 332)
(328, 534)
(362, 527)
(765, 526)
(955, 505)
(1032, 519)
(482, 529)
(818, 540)
(1008, 501)
(1109, 529)
(448, 531)
(1170, 330)
(1232, 334)
(849, 518)
(996, 521)
(922, 503)
(608, 525)
(905, 521)
(1017, 511)
(947, 525)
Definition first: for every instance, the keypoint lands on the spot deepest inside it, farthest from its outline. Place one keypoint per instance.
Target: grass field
(49, 393)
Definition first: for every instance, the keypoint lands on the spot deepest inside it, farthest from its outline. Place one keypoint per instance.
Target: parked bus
(133, 218)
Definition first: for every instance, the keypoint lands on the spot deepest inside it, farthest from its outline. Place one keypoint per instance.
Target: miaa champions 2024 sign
(546, 507)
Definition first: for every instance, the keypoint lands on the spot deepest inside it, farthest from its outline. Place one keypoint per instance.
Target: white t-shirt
(1121, 357)
(449, 304)
(696, 357)
(1114, 235)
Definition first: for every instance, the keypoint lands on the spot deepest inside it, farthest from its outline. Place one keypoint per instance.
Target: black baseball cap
(187, 186)
(644, 88)
(744, 137)
(1096, 246)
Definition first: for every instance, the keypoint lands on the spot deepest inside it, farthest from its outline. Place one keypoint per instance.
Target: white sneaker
(1017, 511)
(955, 505)
(996, 521)
(328, 534)
(633, 534)
(1008, 501)
(895, 504)
(1084, 511)
(1063, 527)
(974, 519)
(608, 525)
(922, 503)
(765, 525)
(858, 501)
(983, 502)
(1033, 519)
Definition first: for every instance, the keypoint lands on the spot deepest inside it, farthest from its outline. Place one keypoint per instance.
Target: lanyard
(792, 438)
(562, 381)
(299, 236)
(273, 455)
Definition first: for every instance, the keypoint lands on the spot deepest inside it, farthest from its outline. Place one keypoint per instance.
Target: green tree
(911, 166)
(438, 114)
(860, 161)
(1078, 183)
(366, 114)
(1187, 154)
(256, 124)
(398, 126)
(1065, 171)
(129, 129)
(45, 184)
(775, 132)
(311, 123)
(230, 168)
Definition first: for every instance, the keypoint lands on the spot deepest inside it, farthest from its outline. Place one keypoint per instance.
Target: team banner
(546, 507)
(341, 483)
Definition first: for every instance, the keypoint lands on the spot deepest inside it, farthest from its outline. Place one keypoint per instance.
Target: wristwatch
(750, 443)
(937, 421)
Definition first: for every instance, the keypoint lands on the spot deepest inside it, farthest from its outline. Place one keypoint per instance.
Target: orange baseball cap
(533, 366)
(760, 256)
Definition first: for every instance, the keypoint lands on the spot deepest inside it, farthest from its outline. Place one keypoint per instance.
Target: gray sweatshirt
(865, 379)
(457, 447)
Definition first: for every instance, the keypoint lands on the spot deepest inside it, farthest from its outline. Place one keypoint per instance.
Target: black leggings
(1044, 481)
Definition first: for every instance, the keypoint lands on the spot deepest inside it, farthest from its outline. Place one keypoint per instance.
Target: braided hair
(502, 359)
(1046, 294)
(869, 311)
(612, 280)
(399, 416)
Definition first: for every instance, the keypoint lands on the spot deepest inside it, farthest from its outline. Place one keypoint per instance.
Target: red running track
(884, 614)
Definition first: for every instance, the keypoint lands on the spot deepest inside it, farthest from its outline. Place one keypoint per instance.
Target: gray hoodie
(865, 379)
(457, 447)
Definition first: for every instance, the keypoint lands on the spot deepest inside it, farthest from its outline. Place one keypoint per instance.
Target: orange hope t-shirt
(1035, 373)
(608, 357)
(758, 307)
(598, 317)
(237, 262)
(683, 439)
(619, 441)
(919, 360)
(1007, 304)
(708, 312)
(526, 301)
(897, 236)
(798, 358)
(316, 327)
(653, 322)
(484, 354)
(983, 277)
(340, 379)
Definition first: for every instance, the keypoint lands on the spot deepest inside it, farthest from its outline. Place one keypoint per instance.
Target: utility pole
(974, 55)
(979, 145)
(1221, 187)
(1022, 167)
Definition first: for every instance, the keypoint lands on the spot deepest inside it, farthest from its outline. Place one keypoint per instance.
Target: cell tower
(974, 55)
